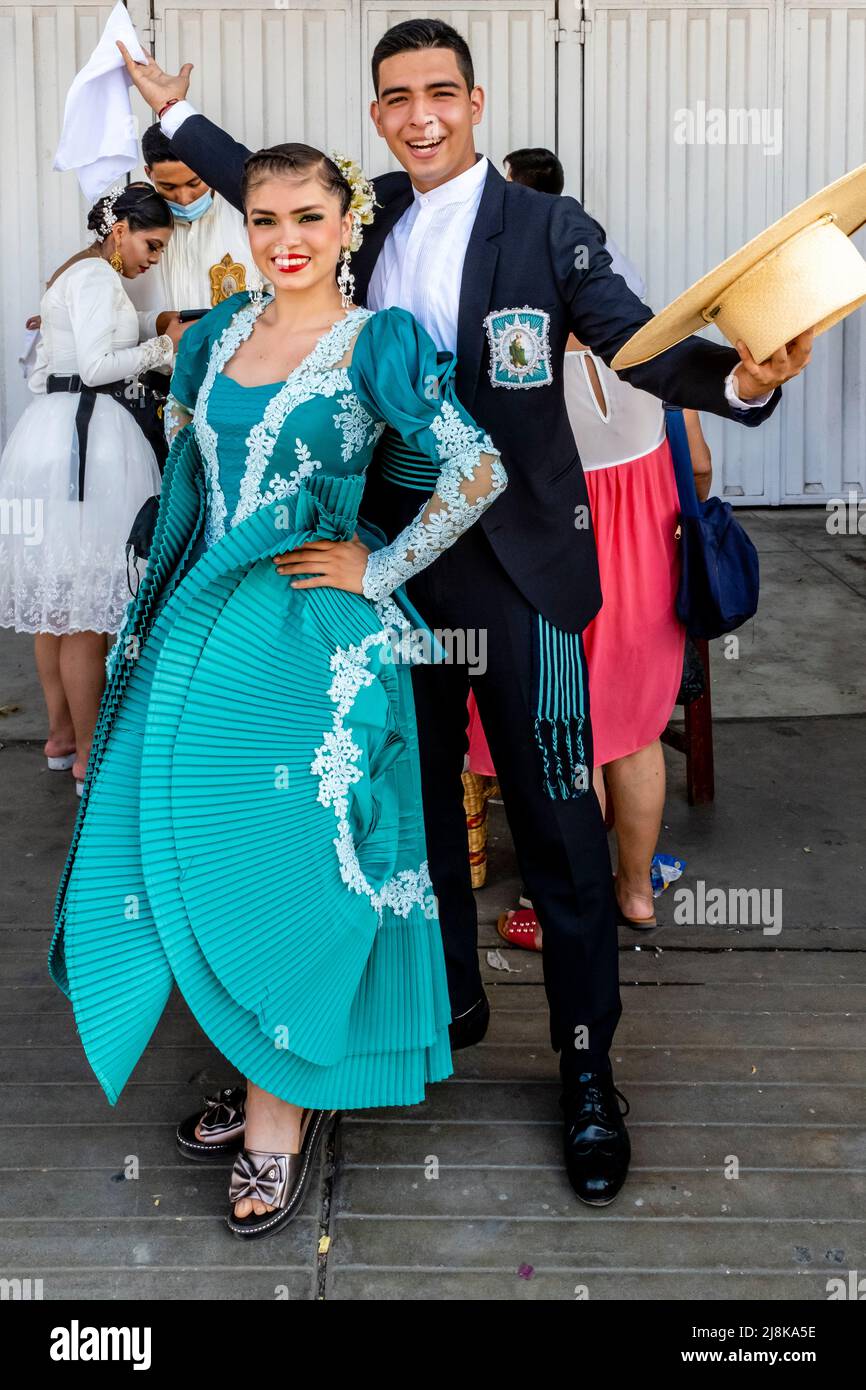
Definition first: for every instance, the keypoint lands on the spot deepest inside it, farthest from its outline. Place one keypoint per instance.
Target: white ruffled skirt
(63, 562)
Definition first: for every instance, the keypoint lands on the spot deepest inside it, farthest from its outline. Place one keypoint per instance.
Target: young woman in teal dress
(251, 824)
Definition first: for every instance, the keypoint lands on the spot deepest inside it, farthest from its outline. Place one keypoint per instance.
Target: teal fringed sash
(559, 676)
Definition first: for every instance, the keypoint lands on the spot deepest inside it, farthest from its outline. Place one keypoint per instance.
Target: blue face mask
(193, 211)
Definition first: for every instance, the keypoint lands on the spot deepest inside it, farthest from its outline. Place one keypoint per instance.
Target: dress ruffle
(252, 827)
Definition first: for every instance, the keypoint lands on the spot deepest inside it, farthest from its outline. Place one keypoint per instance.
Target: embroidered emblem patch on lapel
(519, 347)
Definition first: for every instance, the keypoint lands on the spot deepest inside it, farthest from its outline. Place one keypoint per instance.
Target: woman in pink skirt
(634, 646)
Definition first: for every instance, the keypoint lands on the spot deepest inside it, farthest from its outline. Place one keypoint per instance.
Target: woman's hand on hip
(330, 565)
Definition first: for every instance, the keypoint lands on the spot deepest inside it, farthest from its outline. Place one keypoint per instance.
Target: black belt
(83, 413)
(144, 405)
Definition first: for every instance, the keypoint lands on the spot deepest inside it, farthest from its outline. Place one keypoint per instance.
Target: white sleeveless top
(631, 426)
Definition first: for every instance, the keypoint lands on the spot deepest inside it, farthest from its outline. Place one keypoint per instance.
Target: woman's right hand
(175, 329)
(157, 87)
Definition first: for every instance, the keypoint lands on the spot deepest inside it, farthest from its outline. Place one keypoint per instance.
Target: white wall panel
(301, 70)
(677, 209)
(824, 425)
(42, 214)
(268, 73)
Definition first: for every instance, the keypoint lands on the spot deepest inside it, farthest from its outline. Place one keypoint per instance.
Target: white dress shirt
(420, 266)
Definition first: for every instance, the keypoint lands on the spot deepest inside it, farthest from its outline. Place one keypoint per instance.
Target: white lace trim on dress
(465, 488)
(335, 764)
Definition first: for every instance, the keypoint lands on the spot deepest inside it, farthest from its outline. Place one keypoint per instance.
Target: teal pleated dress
(251, 824)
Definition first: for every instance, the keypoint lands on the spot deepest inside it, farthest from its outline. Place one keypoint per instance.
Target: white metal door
(43, 214)
(601, 82)
(302, 71)
(268, 72)
(674, 203)
(823, 442)
(677, 199)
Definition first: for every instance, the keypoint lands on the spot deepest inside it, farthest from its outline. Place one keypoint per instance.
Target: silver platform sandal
(222, 1121)
(280, 1180)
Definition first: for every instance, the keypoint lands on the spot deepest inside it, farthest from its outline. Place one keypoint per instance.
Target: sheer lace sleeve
(398, 377)
(190, 366)
(174, 416)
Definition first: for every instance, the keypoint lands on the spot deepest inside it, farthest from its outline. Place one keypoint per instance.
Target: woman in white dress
(77, 467)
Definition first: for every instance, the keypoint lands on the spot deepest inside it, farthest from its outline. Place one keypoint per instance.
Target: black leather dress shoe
(597, 1147)
(469, 1028)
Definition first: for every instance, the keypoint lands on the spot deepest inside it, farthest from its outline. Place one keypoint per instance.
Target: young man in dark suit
(501, 274)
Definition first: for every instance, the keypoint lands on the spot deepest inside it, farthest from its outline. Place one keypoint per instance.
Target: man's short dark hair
(155, 148)
(415, 34)
(537, 168)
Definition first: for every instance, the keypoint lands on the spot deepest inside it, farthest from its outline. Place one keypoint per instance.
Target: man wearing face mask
(210, 254)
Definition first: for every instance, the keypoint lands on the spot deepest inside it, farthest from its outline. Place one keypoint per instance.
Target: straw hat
(802, 272)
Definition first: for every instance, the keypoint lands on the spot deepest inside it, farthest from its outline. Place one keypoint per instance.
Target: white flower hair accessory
(363, 196)
(108, 217)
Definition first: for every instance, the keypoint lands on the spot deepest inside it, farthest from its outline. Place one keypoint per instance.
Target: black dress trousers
(561, 845)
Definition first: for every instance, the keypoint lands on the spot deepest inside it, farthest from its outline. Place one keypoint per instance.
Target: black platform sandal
(279, 1180)
(222, 1119)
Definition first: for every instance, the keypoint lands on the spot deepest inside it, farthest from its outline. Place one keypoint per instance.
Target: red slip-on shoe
(520, 929)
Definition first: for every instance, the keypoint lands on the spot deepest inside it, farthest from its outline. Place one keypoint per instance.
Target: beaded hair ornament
(108, 216)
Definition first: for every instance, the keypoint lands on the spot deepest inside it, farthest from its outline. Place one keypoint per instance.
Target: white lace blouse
(91, 329)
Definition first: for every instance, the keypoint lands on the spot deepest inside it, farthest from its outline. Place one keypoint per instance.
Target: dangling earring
(256, 294)
(346, 279)
(116, 262)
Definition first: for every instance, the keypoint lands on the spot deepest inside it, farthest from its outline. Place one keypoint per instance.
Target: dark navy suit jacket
(545, 252)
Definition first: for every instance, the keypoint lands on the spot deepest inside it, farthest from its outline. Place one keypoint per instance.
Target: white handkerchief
(99, 139)
(27, 355)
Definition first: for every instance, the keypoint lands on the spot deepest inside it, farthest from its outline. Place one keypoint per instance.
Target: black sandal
(223, 1118)
(280, 1180)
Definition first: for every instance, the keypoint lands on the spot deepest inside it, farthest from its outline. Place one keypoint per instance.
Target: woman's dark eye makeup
(306, 217)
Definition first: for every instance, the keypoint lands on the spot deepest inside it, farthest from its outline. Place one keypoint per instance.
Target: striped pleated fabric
(289, 903)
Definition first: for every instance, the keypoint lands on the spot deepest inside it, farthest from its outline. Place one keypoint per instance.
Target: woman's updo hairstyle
(294, 159)
(139, 206)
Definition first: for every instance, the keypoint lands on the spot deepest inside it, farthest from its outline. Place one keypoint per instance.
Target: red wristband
(161, 113)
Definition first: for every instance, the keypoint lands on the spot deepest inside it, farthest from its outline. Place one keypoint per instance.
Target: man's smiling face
(426, 114)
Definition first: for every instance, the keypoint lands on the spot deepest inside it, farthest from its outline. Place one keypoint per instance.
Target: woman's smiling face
(296, 230)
